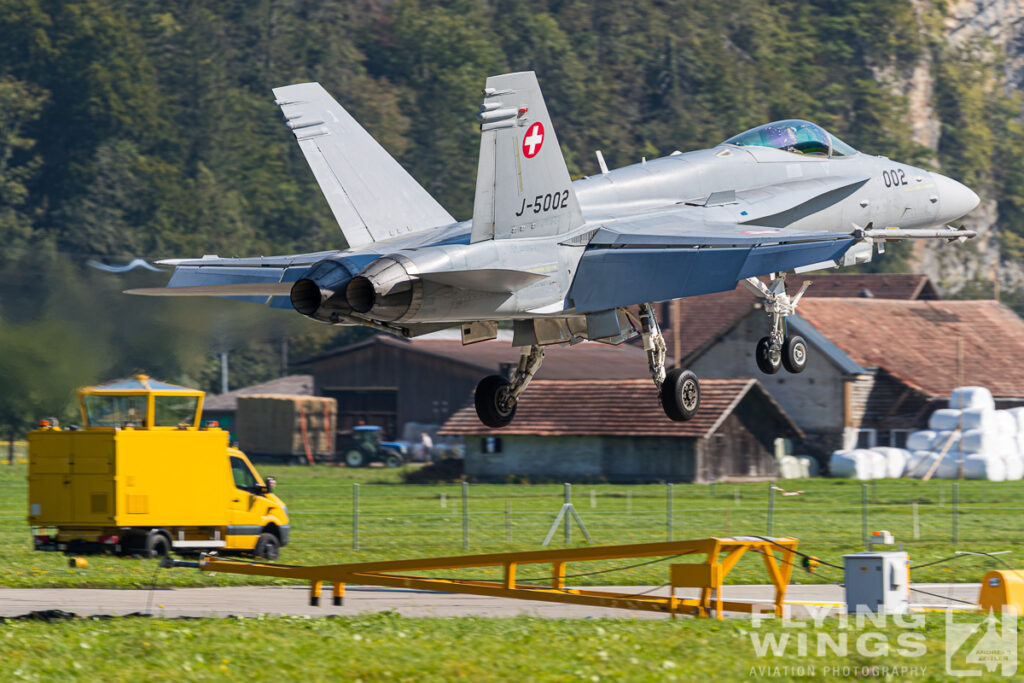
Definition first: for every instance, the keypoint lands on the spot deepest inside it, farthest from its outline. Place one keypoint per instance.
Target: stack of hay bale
(283, 426)
(991, 443)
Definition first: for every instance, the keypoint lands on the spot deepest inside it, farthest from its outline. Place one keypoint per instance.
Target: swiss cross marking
(534, 140)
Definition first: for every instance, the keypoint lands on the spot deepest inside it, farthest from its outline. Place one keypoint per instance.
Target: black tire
(355, 458)
(763, 356)
(486, 398)
(393, 460)
(680, 395)
(156, 545)
(794, 354)
(267, 547)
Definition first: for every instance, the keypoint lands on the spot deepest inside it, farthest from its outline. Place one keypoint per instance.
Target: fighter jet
(567, 261)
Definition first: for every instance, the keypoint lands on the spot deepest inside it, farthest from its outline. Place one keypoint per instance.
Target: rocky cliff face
(965, 25)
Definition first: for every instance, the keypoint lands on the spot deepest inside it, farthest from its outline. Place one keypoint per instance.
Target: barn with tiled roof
(878, 368)
(615, 430)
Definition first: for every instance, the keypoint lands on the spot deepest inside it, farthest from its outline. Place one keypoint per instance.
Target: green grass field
(402, 521)
(389, 647)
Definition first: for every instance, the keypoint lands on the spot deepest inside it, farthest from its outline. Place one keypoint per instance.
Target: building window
(866, 438)
(898, 437)
(490, 444)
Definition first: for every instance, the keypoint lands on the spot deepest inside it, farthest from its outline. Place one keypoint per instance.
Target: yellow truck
(142, 477)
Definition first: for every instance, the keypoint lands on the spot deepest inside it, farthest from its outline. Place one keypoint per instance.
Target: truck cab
(142, 476)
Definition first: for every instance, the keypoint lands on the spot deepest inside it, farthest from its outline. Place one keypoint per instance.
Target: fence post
(593, 498)
(668, 511)
(629, 502)
(917, 526)
(736, 495)
(771, 507)
(508, 521)
(355, 516)
(567, 488)
(465, 516)
(956, 511)
(444, 500)
(864, 513)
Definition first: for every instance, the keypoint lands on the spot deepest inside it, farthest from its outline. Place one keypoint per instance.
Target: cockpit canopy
(796, 136)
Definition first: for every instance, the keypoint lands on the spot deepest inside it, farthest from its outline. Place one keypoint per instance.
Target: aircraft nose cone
(955, 199)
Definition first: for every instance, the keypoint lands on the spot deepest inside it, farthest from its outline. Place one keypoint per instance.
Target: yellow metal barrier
(720, 556)
(1002, 589)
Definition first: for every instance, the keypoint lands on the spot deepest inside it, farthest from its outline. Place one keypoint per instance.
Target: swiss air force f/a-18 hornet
(566, 260)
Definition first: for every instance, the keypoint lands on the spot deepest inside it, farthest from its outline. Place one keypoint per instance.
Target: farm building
(689, 324)
(878, 368)
(615, 430)
(388, 381)
(222, 407)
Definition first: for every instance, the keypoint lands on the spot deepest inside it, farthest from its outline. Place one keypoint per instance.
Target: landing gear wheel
(393, 460)
(355, 458)
(763, 355)
(794, 354)
(492, 404)
(267, 547)
(680, 395)
(156, 545)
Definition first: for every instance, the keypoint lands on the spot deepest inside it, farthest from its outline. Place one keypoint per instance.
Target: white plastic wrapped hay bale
(948, 419)
(789, 467)
(809, 466)
(923, 440)
(1014, 466)
(920, 462)
(966, 398)
(915, 468)
(895, 460)
(984, 467)
(879, 465)
(852, 464)
(978, 441)
(1018, 415)
(948, 468)
(1006, 422)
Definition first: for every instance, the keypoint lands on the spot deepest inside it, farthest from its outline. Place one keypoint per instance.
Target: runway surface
(250, 601)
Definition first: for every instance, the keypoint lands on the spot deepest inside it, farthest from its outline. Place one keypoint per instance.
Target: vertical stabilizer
(522, 184)
(371, 195)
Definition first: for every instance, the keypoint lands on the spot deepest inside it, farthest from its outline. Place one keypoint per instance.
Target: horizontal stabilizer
(485, 279)
(236, 289)
(371, 195)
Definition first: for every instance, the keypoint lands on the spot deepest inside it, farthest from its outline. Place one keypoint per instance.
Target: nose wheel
(778, 350)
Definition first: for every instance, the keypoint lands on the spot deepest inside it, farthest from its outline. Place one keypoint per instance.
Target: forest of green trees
(148, 129)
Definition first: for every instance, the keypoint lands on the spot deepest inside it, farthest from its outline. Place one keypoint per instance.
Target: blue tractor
(363, 445)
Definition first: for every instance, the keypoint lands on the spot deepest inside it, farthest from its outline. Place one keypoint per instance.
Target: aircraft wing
(678, 253)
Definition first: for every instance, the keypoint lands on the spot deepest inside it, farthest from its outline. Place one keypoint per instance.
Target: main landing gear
(778, 350)
(496, 397)
(678, 389)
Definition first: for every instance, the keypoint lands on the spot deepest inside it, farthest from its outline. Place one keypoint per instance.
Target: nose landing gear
(778, 350)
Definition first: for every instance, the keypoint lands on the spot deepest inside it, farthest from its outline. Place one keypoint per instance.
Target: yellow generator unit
(141, 477)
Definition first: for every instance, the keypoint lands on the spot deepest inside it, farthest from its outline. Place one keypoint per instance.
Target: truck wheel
(393, 460)
(267, 547)
(355, 458)
(156, 545)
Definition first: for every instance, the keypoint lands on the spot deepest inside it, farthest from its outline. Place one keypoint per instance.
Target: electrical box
(877, 582)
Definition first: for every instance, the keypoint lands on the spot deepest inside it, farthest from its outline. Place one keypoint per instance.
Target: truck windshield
(171, 411)
(115, 411)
